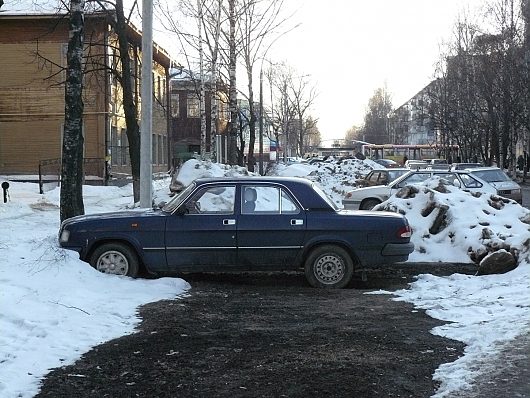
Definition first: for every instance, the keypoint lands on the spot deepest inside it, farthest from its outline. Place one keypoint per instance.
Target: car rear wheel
(369, 204)
(329, 267)
(115, 258)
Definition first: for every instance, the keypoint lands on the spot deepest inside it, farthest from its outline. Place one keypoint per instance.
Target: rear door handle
(229, 222)
(296, 221)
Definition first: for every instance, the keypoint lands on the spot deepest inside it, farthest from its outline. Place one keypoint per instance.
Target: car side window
(373, 177)
(266, 200)
(214, 200)
(413, 179)
(450, 177)
(470, 182)
(288, 205)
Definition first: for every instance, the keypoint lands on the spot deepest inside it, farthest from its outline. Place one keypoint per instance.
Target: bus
(412, 152)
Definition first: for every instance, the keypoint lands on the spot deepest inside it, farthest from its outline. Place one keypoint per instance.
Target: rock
(440, 221)
(441, 187)
(407, 192)
(498, 262)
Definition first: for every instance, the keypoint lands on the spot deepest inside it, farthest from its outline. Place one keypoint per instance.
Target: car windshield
(177, 200)
(326, 198)
(393, 174)
(492, 175)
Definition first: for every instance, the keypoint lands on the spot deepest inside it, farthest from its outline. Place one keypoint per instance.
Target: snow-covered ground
(54, 307)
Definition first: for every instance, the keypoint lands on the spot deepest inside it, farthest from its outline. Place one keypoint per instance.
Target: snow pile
(335, 176)
(484, 312)
(54, 306)
(193, 169)
(452, 225)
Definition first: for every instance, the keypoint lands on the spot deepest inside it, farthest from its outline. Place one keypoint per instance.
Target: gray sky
(352, 47)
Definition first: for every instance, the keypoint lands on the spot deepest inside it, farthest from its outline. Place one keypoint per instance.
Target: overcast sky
(352, 47)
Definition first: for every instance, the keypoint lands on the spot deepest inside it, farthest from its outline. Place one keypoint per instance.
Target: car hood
(505, 185)
(112, 215)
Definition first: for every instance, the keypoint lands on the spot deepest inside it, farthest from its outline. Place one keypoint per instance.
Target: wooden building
(32, 61)
(185, 132)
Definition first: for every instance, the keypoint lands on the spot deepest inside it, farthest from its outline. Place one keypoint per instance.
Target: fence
(50, 172)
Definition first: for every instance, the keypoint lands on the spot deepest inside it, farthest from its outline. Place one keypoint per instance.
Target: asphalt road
(270, 335)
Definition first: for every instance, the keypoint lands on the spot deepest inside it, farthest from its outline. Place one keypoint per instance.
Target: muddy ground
(270, 335)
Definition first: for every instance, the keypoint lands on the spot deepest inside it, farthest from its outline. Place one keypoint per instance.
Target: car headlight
(65, 235)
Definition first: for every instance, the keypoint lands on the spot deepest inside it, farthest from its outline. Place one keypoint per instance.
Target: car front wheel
(329, 267)
(115, 258)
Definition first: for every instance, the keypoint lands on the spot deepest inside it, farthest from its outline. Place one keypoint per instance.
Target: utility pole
(146, 168)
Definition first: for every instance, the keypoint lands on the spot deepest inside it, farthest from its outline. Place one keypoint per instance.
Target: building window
(114, 141)
(124, 148)
(175, 105)
(193, 105)
(160, 146)
(154, 151)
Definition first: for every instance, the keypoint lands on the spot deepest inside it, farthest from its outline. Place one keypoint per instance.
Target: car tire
(115, 258)
(369, 204)
(329, 267)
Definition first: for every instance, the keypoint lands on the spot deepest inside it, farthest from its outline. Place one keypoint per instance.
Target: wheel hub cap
(113, 262)
(329, 269)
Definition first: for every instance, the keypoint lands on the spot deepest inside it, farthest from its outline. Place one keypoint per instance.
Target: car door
(204, 237)
(270, 234)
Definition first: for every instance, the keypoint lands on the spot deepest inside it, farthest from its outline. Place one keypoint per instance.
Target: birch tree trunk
(202, 78)
(214, 99)
(71, 202)
(232, 127)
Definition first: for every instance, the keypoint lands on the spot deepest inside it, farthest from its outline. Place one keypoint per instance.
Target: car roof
(301, 187)
(485, 168)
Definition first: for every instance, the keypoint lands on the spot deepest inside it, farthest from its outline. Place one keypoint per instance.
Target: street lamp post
(260, 140)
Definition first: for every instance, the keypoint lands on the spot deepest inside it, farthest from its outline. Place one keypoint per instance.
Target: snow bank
(54, 306)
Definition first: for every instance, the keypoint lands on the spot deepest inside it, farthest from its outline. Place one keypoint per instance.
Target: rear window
(325, 197)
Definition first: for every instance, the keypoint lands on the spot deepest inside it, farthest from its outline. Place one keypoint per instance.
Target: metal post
(146, 173)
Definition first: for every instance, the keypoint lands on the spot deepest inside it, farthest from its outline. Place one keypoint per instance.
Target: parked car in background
(380, 177)
(499, 180)
(437, 164)
(463, 166)
(388, 163)
(472, 180)
(242, 224)
(415, 164)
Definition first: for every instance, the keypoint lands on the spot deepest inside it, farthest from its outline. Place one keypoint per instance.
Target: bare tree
(71, 202)
(376, 119)
(302, 97)
(258, 20)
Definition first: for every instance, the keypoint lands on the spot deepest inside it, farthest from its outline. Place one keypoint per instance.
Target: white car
(471, 180)
(499, 180)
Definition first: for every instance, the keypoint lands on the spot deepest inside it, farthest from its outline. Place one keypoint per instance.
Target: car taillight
(404, 232)
(348, 195)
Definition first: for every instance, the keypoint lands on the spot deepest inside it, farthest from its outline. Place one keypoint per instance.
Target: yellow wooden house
(32, 61)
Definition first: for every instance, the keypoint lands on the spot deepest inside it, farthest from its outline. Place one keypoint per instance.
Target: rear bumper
(398, 249)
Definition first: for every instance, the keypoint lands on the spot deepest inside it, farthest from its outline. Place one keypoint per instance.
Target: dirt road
(261, 335)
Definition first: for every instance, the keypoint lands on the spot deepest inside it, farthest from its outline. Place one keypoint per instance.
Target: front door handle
(296, 221)
(229, 222)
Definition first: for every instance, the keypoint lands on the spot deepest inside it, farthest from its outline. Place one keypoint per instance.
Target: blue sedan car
(242, 224)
